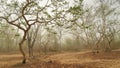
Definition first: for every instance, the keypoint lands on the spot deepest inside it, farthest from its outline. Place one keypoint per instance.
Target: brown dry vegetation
(64, 60)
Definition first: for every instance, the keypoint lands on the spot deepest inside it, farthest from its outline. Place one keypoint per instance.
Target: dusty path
(9, 60)
(89, 60)
(65, 60)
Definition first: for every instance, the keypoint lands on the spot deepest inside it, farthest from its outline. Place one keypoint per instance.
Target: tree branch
(23, 12)
(12, 23)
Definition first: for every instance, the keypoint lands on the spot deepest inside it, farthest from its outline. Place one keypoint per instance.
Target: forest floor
(64, 60)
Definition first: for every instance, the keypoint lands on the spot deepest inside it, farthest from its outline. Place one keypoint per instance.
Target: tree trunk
(32, 52)
(21, 49)
(45, 49)
(29, 50)
(22, 52)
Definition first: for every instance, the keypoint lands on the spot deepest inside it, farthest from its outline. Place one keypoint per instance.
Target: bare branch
(13, 23)
(23, 12)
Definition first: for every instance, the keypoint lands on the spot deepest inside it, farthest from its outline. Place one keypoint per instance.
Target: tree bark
(22, 52)
(21, 48)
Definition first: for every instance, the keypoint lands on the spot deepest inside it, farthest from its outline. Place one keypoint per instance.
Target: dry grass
(64, 60)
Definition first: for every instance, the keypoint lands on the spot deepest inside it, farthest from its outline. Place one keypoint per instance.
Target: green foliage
(23, 23)
(12, 29)
(17, 35)
(47, 28)
(15, 4)
(5, 26)
(33, 4)
(77, 10)
(88, 26)
(59, 24)
(48, 15)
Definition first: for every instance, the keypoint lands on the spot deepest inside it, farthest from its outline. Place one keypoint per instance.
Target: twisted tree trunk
(21, 48)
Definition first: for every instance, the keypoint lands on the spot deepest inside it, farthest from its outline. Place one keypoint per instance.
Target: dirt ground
(64, 60)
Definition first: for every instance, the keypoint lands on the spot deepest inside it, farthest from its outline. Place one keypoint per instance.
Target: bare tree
(21, 14)
(31, 38)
